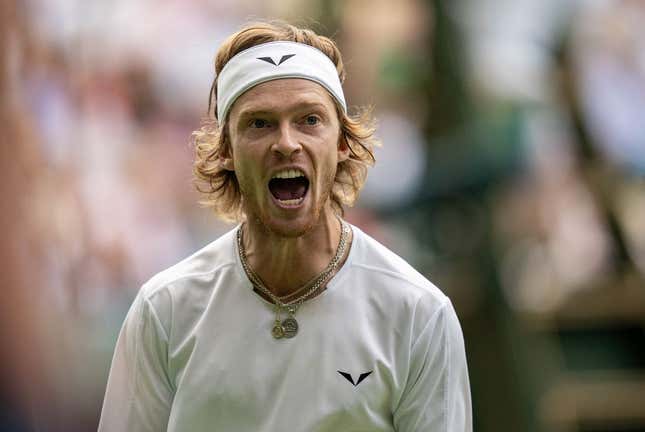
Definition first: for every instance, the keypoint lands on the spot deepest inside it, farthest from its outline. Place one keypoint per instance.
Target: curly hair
(219, 187)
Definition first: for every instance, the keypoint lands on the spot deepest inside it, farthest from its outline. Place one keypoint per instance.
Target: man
(294, 320)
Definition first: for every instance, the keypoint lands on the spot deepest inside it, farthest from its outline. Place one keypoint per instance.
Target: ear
(226, 162)
(226, 158)
(343, 148)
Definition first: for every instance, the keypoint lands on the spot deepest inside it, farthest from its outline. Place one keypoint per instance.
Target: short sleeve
(437, 392)
(139, 392)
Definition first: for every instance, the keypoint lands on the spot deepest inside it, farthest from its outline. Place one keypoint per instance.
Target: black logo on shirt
(349, 378)
(283, 59)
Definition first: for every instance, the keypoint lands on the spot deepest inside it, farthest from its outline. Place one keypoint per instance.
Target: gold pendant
(277, 331)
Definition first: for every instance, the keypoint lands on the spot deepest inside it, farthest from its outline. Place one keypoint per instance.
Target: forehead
(282, 95)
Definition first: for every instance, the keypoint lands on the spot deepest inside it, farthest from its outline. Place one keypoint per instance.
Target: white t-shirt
(380, 349)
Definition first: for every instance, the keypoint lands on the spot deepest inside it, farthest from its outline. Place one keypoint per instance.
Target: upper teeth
(289, 173)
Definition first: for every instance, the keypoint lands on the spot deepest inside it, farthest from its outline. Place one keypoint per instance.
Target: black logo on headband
(283, 59)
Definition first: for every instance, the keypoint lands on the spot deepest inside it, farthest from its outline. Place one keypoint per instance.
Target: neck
(286, 263)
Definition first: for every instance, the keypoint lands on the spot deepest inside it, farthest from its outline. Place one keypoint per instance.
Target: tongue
(288, 189)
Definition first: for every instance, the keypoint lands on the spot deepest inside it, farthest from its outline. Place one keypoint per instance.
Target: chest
(342, 371)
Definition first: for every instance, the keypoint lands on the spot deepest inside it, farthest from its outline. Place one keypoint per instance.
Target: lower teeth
(291, 201)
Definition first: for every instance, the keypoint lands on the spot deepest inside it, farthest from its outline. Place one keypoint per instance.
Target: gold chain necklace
(288, 327)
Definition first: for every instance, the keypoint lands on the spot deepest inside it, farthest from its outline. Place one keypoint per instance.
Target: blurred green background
(512, 175)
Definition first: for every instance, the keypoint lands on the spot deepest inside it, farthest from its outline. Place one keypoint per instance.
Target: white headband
(271, 61)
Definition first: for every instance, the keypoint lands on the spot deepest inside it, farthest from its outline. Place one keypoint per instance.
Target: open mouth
(289, 187)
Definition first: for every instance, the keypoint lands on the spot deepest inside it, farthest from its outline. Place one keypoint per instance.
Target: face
(285, 143)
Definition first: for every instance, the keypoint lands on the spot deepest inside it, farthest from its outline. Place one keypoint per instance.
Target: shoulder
(392, 276)
(188, 275)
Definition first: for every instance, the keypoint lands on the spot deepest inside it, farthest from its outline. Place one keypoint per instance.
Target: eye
(259, 123)
(312, 120)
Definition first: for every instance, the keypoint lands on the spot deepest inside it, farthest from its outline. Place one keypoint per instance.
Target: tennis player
(294, 320)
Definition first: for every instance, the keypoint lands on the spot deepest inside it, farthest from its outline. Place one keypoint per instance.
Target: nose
(286, 143)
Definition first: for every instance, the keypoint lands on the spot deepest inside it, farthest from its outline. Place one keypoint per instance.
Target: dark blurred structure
(512, 174)
(556, 340)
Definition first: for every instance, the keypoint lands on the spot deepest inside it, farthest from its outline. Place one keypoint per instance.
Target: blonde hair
(219, 187)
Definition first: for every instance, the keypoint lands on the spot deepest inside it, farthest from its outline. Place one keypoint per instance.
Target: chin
(289, 224)
(289, 228)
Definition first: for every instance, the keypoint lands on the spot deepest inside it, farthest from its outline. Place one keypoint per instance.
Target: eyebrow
(269, 110)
